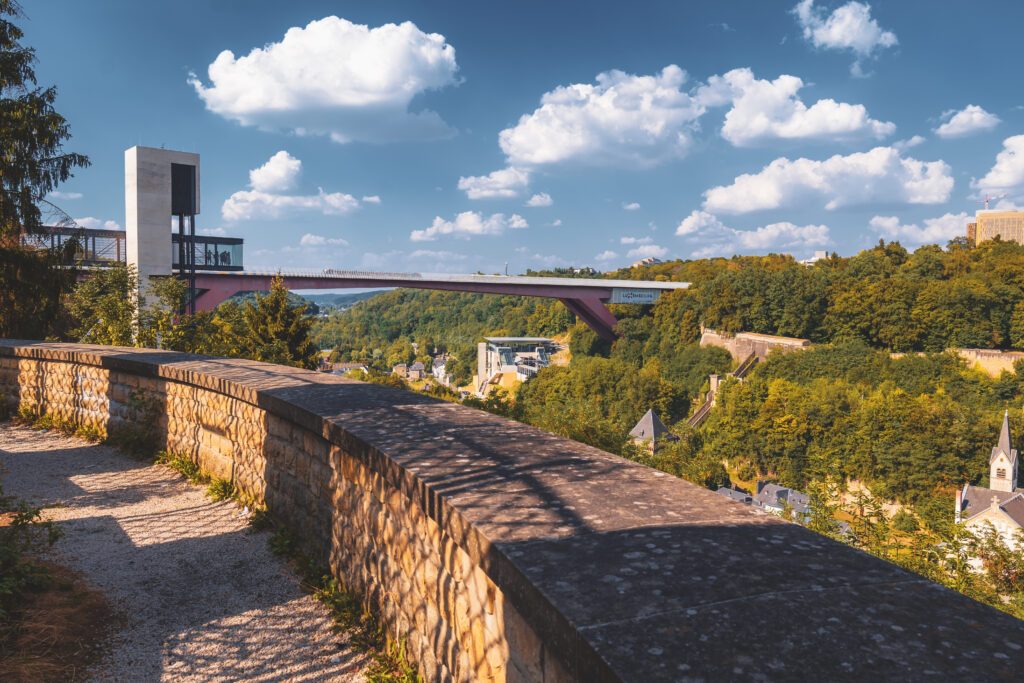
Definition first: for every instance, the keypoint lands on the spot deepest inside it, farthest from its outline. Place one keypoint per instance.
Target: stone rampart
(991, 361)
(502, 553)
(743, 344)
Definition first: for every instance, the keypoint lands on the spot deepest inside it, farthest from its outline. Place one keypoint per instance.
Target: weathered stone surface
(500, 553)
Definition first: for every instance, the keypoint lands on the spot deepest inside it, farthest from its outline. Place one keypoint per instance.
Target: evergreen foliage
(32, 164)
(278, 332)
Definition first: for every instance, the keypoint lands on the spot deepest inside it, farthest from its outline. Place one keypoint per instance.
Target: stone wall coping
(625, 572)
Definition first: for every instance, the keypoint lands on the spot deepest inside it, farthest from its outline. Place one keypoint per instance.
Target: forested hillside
(908, 426)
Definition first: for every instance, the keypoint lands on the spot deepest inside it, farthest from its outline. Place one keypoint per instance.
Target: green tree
(277, 331)
(102, 307)
(32, 163)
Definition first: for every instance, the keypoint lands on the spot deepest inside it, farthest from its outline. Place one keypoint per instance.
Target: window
(1001, 473)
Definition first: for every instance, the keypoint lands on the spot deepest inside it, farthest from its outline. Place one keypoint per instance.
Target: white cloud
(712, 237)
(266, 199)
(849, 27)
(504, 183)
(935, 230)
(765, 110)
(647, 250)
(336, 78)
(631, 206)
(57, 194)
(1007, 175)
(252, 205)
(970, 119)
(635, 240)
(878, 175)
(91, 223)
(556, 223)
(438, 255)
(606, 255)
(371, 199)
(311, 240)
(540, 199)
(468, 224)
(621, 120)
(904, 145)
(279, 174)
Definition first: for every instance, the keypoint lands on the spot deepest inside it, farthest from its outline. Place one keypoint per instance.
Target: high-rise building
(1007, 225)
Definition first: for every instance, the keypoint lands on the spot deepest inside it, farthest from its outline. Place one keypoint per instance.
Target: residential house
(777, 499)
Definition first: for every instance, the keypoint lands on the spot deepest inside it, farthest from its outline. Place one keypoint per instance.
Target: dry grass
(57, 633)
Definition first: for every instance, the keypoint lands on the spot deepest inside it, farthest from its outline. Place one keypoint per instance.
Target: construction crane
(989, 198)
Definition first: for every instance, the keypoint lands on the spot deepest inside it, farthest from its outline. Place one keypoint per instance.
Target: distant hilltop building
(987, 225)
(1002, 504)
(649, 261)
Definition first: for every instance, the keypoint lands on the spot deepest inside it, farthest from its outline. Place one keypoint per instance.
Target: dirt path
(201, 595)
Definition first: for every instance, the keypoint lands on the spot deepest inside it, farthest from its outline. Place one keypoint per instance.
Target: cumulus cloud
(336, 78)
(557, 223)
(646, 251)
(91, 223)
(252, 205)
(606, 255)
(934, 231)
(540, 199)
(765, 110)
(712, 237)
(1007, 175)
(371, 199)
(279, 174)
(635, 240)
(849, 27)
(620, 120)
(311, 240)
(878, 175)
(971, 119)
(631, 206)
(469, 224)
(903, 145)
(266, 199)
(501, 184)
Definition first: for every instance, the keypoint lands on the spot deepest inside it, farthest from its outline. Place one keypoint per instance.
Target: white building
(522, 356)
(1002, 504)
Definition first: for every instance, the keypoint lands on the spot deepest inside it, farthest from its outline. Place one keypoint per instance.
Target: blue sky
(669, 129)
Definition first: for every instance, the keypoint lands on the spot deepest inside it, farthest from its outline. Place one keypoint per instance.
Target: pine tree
(32, 164)
(279, 331)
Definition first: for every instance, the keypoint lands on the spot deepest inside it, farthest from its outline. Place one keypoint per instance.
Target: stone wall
(502, 553)
(743, 344)
(990, 361)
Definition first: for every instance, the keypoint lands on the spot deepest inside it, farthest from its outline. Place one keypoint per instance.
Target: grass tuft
(390, 663)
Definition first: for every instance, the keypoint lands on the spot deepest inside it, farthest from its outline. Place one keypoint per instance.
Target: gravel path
(201, 595)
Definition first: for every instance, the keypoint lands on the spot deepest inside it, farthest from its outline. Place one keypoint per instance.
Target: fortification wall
(502, 553)
(743, 344)
(991, 361)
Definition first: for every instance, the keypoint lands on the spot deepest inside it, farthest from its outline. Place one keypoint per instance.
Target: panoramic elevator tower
(161, 189)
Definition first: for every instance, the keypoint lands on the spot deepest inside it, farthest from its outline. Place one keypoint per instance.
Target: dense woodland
(912, 426)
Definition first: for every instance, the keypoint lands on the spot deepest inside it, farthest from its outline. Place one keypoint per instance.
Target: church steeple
(1003, 461)
(1004, 434)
